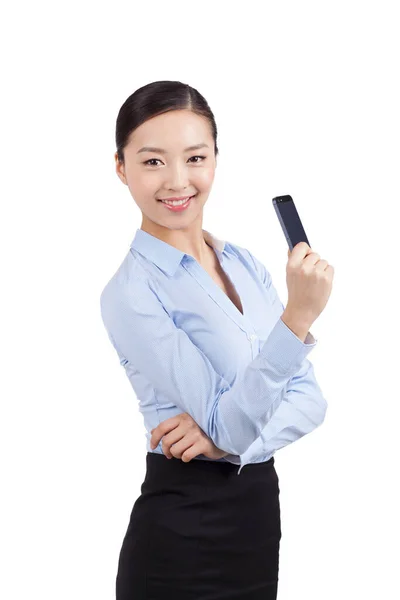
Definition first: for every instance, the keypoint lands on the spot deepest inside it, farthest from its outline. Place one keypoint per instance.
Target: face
(173, 172)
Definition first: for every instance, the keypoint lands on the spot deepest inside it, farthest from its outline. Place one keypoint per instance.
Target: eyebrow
(161, 151)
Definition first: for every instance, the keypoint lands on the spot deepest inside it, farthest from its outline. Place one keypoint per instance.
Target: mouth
(186, 198)
(180, 206)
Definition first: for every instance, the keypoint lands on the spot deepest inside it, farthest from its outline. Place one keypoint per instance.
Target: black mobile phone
(290, 221)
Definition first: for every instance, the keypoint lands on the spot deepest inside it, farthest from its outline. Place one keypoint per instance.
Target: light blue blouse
(185, 347)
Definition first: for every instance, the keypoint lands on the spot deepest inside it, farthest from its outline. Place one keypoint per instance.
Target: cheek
(206, 178)
(143, 187)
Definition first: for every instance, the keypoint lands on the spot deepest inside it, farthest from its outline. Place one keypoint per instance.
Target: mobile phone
(290, 221)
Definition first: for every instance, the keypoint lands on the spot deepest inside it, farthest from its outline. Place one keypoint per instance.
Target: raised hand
(309, 282)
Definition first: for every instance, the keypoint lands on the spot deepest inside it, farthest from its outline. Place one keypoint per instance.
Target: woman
(218, 365)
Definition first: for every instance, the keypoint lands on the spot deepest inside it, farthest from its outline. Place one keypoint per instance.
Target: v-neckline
(228, 281)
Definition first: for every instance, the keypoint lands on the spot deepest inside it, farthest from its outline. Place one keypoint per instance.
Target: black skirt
(200, 531)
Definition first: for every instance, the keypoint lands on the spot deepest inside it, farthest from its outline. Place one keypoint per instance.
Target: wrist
(296, 323)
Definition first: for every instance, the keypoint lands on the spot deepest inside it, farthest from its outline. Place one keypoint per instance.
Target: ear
(119, 168)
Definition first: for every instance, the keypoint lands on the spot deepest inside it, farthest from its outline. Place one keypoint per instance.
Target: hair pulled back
(155, 99)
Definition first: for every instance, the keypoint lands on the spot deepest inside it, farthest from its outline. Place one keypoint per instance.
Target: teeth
(175, 202)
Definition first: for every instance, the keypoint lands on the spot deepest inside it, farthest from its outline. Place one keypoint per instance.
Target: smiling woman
(186, 313)
(159, 136)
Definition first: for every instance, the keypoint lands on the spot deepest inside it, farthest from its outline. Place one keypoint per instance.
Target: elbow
(221, 439)
(237, 446)
(323, 406)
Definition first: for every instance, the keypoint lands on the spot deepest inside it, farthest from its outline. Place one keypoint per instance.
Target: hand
(309, 282)
(184, 439)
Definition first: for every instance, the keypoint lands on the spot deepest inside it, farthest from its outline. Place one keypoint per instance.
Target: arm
(302, 410)
(141, 330)
(303, 407)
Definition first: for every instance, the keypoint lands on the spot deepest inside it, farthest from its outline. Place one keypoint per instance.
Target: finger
(162, 429)
(321, 265)
(193, 451)
(300, 251)
(176, 450)
(156, 436)
(311, 259)
(184, 454)
(172, 438)
(180, 447)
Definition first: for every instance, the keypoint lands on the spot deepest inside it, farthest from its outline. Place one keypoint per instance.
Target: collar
(165, 256)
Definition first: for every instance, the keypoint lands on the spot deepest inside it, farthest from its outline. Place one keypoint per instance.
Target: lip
(175, 198)
(180, 207)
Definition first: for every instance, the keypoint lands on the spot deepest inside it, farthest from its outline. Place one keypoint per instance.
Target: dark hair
(154, 99)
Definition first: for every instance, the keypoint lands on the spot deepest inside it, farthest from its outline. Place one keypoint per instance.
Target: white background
(306, 100)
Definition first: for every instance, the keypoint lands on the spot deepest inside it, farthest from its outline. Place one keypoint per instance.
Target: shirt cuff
(284, 350)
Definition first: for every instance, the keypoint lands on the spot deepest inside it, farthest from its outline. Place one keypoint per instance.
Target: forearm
(298, 325)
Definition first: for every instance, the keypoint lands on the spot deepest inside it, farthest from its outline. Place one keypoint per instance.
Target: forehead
(174, 130)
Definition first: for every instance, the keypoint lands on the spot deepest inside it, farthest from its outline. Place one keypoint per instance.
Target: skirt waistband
(161, 463)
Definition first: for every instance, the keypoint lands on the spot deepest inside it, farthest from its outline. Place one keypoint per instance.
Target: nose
(177, 177)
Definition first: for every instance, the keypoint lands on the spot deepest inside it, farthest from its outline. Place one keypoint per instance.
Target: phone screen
(290, 221)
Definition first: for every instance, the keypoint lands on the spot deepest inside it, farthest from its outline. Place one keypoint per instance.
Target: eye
(146, 162)
(202, 157)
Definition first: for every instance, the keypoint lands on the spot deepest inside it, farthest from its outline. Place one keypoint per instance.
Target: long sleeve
(303, 407)
(142, 331)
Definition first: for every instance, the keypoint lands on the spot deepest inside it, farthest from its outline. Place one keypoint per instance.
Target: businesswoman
(219, 366)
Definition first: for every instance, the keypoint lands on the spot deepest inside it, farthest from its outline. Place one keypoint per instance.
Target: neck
(189, 240)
